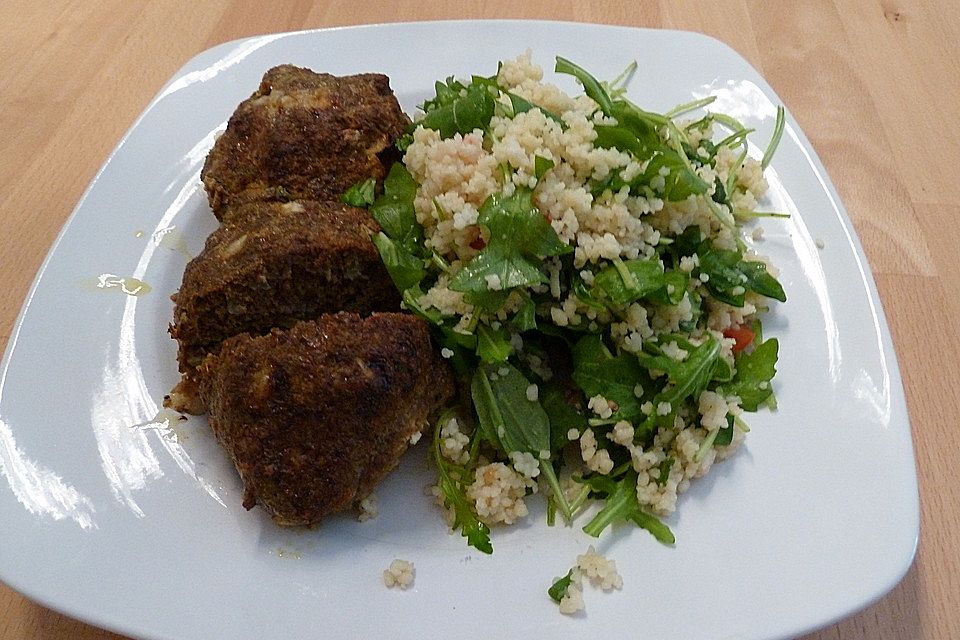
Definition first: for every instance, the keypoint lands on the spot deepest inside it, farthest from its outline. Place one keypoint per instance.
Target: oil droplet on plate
(171, 238)
(109, 281)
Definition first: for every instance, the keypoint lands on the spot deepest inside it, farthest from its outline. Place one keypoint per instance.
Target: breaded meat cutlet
(270, 265)
(315, 416)
(304, 135)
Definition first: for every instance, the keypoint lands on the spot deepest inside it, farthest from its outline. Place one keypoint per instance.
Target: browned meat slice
(315, 416)
(304, 135)
(270, 265)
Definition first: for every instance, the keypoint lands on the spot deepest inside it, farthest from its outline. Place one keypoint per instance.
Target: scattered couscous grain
(572, 601)
(599, 571)
(400, 574)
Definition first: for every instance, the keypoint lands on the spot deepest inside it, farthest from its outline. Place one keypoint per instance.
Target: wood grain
(874, 83)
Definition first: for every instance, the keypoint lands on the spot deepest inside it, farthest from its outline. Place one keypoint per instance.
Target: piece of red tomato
(743, 335)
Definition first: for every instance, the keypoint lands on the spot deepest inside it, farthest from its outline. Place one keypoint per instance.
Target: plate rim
(194, 63)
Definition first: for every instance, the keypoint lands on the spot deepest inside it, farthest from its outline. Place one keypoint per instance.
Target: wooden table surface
(874, 83)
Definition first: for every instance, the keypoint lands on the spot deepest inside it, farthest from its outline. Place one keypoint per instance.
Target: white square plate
(138, 527)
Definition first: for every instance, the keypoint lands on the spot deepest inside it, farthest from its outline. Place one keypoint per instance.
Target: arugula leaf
(489, 82)
(688, 379)
(512, 422)
(519, 235)
(757, 328)
(755, 370)
(446, 93)
(487, 300)
(694, 372)
(404, 142)
(724, 435)
(760, 281)
(541, 165)
(775, 139)
(451, 480)
(727, 270)
(458, 339)
(653, 525)
(508, 419)
(511, 268)
(584, 293)
(599, 484)
(526, 317)
(696, 311)
(616, 137)
(405, 269)
(394, 209)
(719, 191)
(626, 281)
(559, 588)
(361, 194)
(463, 113)
(679, 183)
(411, 300)
(674, 287)
(516, 221)
(591, 86)
(687, 243)
(463, 346)
(722, 371)
(597, 372)
(665, 465)
(711, 149)
(621, 505)
(644, 124)
(613, 182)
(637, 133)
(454, 497)
(493, 345)
(521, 105)
(563, 416)
(724, 276)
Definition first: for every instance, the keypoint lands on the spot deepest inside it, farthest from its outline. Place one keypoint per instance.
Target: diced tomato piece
(743, 335)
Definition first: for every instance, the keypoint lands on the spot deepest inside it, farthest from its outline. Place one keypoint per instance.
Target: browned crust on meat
(315, 416)
(304, 135)
(271, 265)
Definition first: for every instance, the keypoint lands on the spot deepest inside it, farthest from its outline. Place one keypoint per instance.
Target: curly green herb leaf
(450, 481)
